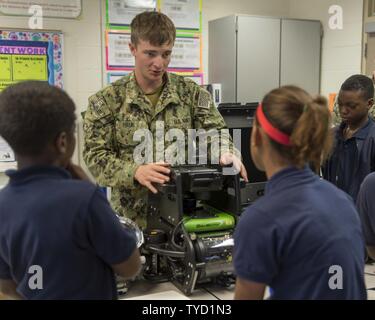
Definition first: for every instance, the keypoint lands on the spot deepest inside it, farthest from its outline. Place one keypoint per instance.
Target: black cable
(174, 244)
(208, 291)
(165, 252)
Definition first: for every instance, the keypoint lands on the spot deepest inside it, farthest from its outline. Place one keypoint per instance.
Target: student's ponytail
(311, 139)
(305, 120)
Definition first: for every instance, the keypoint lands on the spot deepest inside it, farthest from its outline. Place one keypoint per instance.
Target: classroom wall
(341, 49)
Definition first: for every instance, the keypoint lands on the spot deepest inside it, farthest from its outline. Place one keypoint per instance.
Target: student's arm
(366, 210)
(100, 151)
(106, 237)
(249, 290)
(129, 268)
(256, 254)
(8, 290)
(7, 285)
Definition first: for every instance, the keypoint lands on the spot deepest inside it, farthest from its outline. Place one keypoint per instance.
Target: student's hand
(152, 173)
(229, 158)
(77, 172)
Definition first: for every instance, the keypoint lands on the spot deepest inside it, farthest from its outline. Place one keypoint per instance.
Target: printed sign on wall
(51, 8)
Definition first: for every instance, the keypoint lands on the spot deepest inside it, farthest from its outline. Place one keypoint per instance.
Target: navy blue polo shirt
(366, 208)
(64, 226)
(352, 159)
(294, 237)
(349, 151)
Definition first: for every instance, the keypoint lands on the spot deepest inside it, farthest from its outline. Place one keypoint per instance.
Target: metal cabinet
(251, 55)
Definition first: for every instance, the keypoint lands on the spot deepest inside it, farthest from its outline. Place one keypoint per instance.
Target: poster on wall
(27, 55)
(122, 12)
(118, 52)
(50, 8)
(185, 14)
(112, 77)
(186, 54)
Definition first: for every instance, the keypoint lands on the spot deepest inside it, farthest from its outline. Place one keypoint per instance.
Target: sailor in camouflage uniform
(148, 97)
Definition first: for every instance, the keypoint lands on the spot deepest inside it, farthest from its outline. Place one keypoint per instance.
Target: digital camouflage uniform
(117, 111)
(336, 119)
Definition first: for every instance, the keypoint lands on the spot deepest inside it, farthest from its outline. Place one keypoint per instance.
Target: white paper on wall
(119, 54)
(7, 159)
(50, 8)
(122, 12)
(186, 53)
(185, 14)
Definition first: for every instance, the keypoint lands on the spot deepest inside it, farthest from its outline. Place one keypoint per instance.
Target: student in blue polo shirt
(366, 209)
(353, 156)
(59, 238)
(303, 238)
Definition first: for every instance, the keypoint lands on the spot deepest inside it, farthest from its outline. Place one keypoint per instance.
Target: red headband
(274, 133)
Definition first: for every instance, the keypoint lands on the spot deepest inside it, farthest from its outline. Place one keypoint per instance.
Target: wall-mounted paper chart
(185, 14)
(122, 12)
(186, 54)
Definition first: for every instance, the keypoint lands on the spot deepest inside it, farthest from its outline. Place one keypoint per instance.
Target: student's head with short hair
(152, 40)
(291, 128)
(38, 121)
(355, 99)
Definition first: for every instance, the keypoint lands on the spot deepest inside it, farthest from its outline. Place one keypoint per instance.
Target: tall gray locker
(250, 55)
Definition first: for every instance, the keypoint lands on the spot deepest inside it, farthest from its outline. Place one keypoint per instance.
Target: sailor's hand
(151, 173)
(229, 158)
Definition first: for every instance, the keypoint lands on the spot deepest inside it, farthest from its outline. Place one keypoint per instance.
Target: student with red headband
(302, 239)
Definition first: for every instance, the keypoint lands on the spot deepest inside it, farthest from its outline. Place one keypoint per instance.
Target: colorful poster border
(52, 40)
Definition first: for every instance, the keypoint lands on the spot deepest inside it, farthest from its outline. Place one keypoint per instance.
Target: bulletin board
(28, 55)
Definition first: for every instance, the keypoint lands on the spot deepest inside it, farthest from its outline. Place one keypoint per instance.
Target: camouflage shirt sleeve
(336, 119)
(207, 117)
(372, 112)
(100, 152)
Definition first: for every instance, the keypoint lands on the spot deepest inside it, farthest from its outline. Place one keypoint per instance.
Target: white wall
(342, 49)
(213, 9)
